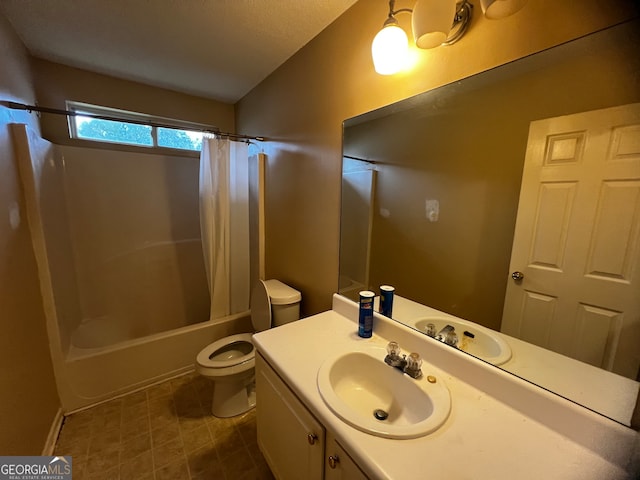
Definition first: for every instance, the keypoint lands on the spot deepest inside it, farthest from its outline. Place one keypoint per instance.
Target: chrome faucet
(393, 357)
(448, 335)
(408, 364)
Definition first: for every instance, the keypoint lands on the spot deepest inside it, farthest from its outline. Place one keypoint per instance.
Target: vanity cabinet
(293, 442)
(290, 438)
(339, 465)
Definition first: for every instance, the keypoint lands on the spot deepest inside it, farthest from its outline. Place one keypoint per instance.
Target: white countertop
(499, 428)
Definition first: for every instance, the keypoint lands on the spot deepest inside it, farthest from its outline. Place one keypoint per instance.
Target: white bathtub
(118, 319)
(93, 375)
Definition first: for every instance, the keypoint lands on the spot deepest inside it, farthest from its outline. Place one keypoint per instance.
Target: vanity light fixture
(390, 47)
(434, 23)
(495, 9)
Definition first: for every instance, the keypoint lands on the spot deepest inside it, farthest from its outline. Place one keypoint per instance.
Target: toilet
(230, 362)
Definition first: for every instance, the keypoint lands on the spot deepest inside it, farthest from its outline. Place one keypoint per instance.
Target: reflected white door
(577, 240)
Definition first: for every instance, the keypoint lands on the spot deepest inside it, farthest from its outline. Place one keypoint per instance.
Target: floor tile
(238, 464)
(134, 427)
(176, 470)
(197, 438)
(164, 433)
(204, 463)
(228, 442)
(167, 432)
(134, 447)
(137, 467)
(167, 452)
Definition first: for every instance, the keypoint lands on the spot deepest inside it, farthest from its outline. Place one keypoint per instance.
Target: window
(131, 128)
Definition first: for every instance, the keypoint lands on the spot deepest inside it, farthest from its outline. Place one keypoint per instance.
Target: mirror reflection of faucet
(446, 335)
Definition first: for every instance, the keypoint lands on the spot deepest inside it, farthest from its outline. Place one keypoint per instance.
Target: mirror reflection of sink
(472, 338)
(381, 400)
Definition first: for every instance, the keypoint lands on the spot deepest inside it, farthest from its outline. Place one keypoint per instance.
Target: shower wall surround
(136, 242)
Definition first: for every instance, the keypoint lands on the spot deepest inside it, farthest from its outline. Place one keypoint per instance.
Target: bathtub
(118, 319)
(94, 375)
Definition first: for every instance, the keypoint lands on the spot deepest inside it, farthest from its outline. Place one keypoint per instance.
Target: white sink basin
(478, 341)
(354, 385)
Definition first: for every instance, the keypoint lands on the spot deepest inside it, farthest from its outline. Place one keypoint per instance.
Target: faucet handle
(430, 330)
(414, 362)
(451, 338)
(393, 349)
(393, 357)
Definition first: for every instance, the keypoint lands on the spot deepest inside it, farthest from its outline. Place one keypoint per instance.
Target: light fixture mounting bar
(461, 22)
(391, 19)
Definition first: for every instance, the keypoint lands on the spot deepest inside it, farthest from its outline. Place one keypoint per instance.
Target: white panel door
(577, 240)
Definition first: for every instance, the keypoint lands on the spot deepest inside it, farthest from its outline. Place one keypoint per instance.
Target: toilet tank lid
(281, 294)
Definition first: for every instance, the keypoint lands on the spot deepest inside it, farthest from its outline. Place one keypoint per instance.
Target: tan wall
(56, 83)
(28, 399)
(301, 106)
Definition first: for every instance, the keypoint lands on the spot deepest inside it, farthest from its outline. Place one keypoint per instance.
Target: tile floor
(163, 432)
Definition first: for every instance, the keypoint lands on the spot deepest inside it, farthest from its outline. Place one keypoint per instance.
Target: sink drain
(380, 414)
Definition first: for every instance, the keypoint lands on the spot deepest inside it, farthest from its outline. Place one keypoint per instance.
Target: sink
(478, 341)
(361, 389)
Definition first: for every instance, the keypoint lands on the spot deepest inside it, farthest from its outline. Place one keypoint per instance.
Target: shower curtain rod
(186, 126)
(372, 162)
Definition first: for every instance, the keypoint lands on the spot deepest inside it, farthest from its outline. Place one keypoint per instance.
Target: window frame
(134, 118)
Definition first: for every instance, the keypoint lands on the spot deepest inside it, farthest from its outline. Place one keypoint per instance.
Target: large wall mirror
(432, 201)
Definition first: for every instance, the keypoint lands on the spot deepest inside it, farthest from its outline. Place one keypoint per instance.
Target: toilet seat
(228, 357)
(260, 307)
(230, 362)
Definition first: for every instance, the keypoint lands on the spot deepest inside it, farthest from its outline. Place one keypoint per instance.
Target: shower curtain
(224, 224)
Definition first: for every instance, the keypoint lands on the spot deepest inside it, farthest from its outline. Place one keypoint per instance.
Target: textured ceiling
(217, 49)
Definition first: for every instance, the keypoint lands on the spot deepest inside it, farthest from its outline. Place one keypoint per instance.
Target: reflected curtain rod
(71, 113)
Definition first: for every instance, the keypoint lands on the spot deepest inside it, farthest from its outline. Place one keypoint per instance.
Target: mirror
(431, 189)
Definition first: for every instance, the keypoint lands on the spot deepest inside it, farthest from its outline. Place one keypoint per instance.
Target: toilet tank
(285, 302)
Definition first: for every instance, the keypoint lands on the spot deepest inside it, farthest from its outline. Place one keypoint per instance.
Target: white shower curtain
(224, 224)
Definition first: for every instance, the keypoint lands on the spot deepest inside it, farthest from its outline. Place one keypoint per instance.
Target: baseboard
(54, 431)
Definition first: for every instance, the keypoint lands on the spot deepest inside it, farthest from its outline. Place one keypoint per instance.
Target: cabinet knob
(311, 438)
(333, 461)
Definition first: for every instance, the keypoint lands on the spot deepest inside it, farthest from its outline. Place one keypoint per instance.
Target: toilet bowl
(230, 362)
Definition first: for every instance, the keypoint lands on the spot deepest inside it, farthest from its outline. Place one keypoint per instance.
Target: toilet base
(233, 398)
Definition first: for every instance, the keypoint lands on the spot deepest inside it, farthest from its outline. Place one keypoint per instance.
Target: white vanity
(496, 427)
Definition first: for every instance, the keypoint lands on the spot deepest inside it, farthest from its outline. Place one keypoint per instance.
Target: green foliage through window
(124, 132)
(117, 132)
(184, 139)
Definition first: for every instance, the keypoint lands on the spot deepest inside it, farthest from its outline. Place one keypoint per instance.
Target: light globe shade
(496, 9)
(432, 21)
(390, 50)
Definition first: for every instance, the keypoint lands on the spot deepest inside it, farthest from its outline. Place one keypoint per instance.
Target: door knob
(517, 276)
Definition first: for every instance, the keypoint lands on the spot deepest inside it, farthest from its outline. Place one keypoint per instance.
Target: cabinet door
(290, 438)
(339, 465)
